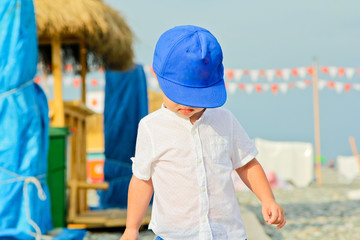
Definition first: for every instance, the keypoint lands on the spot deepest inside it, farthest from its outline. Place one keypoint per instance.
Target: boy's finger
(274, 217)
(282, 224)
(266, 215)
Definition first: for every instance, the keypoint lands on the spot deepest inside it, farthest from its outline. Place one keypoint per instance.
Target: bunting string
(278, 80)
(338, 79)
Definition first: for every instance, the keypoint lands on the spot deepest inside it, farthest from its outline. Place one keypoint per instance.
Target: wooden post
(354, 150)
(83, 52)
(58, 119)
(316, 124)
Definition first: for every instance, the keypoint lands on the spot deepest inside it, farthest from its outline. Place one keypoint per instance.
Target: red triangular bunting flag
(262, 73)
(230, 74)
(94, 82)
(294, 72)
(341, 72)
(347, 87)
(76, 82)
(331, 84)
(37, 80)
(258, 88)
(68, 68)
(325, 70)
(274, 88)
(310, 71)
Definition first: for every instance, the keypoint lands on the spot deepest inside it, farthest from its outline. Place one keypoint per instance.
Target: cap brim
(201, 97)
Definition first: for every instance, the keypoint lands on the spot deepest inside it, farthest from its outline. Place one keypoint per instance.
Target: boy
(186, 151)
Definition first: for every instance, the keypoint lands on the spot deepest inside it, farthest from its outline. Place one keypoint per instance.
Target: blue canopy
(125, 104)
(23, 126)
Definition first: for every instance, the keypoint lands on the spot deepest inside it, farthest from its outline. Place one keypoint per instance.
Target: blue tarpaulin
(125, 104)
(23, 126)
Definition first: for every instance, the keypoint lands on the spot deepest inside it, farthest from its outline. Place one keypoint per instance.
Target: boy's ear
(157, 80)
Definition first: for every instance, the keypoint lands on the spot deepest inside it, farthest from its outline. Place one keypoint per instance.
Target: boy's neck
(196, 116)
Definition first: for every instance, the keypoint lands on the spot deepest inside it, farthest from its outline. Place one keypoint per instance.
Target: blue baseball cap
(188, 65)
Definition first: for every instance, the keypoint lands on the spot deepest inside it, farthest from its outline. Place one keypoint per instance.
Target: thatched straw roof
(105, 32)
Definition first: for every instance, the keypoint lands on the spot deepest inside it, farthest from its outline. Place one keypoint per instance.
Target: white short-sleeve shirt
(190, 167)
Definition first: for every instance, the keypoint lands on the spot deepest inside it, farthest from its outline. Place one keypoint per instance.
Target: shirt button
(199, 160)
(203, 189)
(203, 219)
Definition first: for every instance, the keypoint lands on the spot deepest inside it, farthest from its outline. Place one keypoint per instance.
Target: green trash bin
(56, 177)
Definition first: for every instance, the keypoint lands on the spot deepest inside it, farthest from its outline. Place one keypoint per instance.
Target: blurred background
(94, 68)
(275, 35)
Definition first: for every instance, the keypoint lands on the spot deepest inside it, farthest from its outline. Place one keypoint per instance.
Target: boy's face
(183, 111)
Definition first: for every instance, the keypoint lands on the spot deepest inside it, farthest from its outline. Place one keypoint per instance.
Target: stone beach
(317, 212)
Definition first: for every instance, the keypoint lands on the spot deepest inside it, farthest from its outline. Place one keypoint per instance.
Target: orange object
(95, 170)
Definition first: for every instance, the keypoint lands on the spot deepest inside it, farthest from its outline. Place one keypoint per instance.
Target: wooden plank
(81, 165)
(316, 124)
(73, 166)
(83, 52)
(354, 151)
(89, 220)
(58, 118)
(113, 217)
(86, 185)
(72, 201)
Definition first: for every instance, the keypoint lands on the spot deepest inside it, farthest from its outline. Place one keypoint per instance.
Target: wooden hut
(96, 27)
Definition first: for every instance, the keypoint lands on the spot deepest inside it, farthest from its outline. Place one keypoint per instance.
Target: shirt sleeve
(243, 149)
(144, 156)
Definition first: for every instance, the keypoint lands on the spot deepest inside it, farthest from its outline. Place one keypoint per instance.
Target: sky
(270, 35)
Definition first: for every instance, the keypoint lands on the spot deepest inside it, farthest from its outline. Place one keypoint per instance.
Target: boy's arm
(252, 174)
(139, 196)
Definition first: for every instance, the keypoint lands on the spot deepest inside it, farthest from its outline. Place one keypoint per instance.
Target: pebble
(316, 212)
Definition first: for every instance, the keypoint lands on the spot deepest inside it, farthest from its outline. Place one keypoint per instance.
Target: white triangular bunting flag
(349, 72)
(238, 74)
(270, 73)
(232, 87)
(283, 87)
(300, 84)
(356, 86)
(101, 82)
(333, 71)
(249, 88)
(68, 81)
(339, 87)
(95, 101)
(321, 84)
(147, 69)
(265, 86)
(302, 72)
(254, 74)
(153, 83)
(50, 80)
(286, 74)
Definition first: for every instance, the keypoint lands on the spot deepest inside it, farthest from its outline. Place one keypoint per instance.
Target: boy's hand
(130, 234)
(273, 213)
